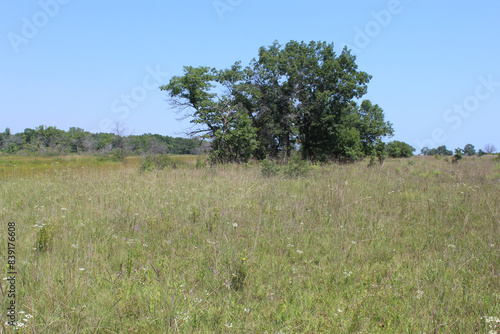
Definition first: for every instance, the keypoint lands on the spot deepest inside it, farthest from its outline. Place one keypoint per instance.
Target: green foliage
(44, 237)
(238, 272)
(480, 153)
(158, 162)
(398, 149)
(52, 141)
(296, 167)
(441, 150)
(373, 161)
(200, 163)
(469, 150)
(298, 96)
(269, 167)
(213, 219)
(118, 155)
(458, 155)
(372, 126)
(226, 122)
(381, 151)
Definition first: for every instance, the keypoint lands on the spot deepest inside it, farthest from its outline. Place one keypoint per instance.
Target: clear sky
(89, 64)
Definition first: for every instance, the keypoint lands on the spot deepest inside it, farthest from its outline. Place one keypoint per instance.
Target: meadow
(410, 246)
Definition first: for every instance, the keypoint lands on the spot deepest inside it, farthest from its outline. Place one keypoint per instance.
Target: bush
(458, 156)
(373, 161)
(381, 152)
(399, 149)
(200, 163)
(158, 162)
(118, 155)
(115, 156)
(269, 168)
(296, 167)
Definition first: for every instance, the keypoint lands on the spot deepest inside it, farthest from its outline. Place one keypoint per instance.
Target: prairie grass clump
(44, 237)
(200, 163)
(238, 275)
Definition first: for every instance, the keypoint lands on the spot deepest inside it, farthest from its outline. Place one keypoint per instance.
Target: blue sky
(90, 64)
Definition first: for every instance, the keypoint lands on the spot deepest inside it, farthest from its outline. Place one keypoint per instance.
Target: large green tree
(298, 96)
(212, 99)
(306, 97)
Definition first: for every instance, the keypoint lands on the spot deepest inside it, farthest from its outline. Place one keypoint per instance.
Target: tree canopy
(50, 140)
(301, 96)
(441, 150)
(398, 149)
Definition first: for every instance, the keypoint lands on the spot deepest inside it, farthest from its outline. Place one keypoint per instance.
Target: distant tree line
(468, 150)
(53, 141)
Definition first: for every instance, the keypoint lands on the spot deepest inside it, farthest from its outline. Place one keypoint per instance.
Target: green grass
(399, 247)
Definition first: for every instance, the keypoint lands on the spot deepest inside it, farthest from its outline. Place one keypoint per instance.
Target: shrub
(269, 168)
(381, 152)
(296, 167)
(373, 161)
(114, 156)
(399, 149)
(457, 156)
(200, 163)
(118, 155)
(158, 162)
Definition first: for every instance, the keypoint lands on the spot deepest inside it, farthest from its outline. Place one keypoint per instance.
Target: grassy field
(411, 246)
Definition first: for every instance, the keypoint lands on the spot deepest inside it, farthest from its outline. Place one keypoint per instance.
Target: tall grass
(408, 246)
